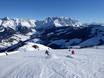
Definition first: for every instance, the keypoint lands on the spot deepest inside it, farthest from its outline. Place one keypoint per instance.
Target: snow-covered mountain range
(55, 32)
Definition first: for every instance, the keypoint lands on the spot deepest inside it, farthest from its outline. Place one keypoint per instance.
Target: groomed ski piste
(28, 62)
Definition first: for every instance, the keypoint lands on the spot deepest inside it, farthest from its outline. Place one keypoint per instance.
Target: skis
(69, 56)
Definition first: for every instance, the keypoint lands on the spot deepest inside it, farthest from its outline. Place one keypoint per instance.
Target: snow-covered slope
(86, 63)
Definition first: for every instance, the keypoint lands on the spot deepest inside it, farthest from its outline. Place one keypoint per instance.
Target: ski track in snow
(86, 63)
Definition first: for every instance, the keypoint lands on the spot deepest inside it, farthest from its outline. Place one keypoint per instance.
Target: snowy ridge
(28, 47)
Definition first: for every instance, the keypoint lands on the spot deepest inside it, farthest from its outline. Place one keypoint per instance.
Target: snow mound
(30, 47)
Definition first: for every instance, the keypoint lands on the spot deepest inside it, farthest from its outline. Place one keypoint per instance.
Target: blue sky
(83, 10)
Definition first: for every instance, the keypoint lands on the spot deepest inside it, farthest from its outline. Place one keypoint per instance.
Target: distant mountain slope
(55, 32)
(84, 36)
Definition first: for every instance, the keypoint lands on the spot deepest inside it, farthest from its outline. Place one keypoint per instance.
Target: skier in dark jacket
(72, 52)
(47, 52)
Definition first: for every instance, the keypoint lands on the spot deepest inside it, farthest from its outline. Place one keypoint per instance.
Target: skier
(72, 52)
(47, 52)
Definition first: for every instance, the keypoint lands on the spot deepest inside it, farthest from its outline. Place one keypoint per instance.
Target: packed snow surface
(86, 63)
